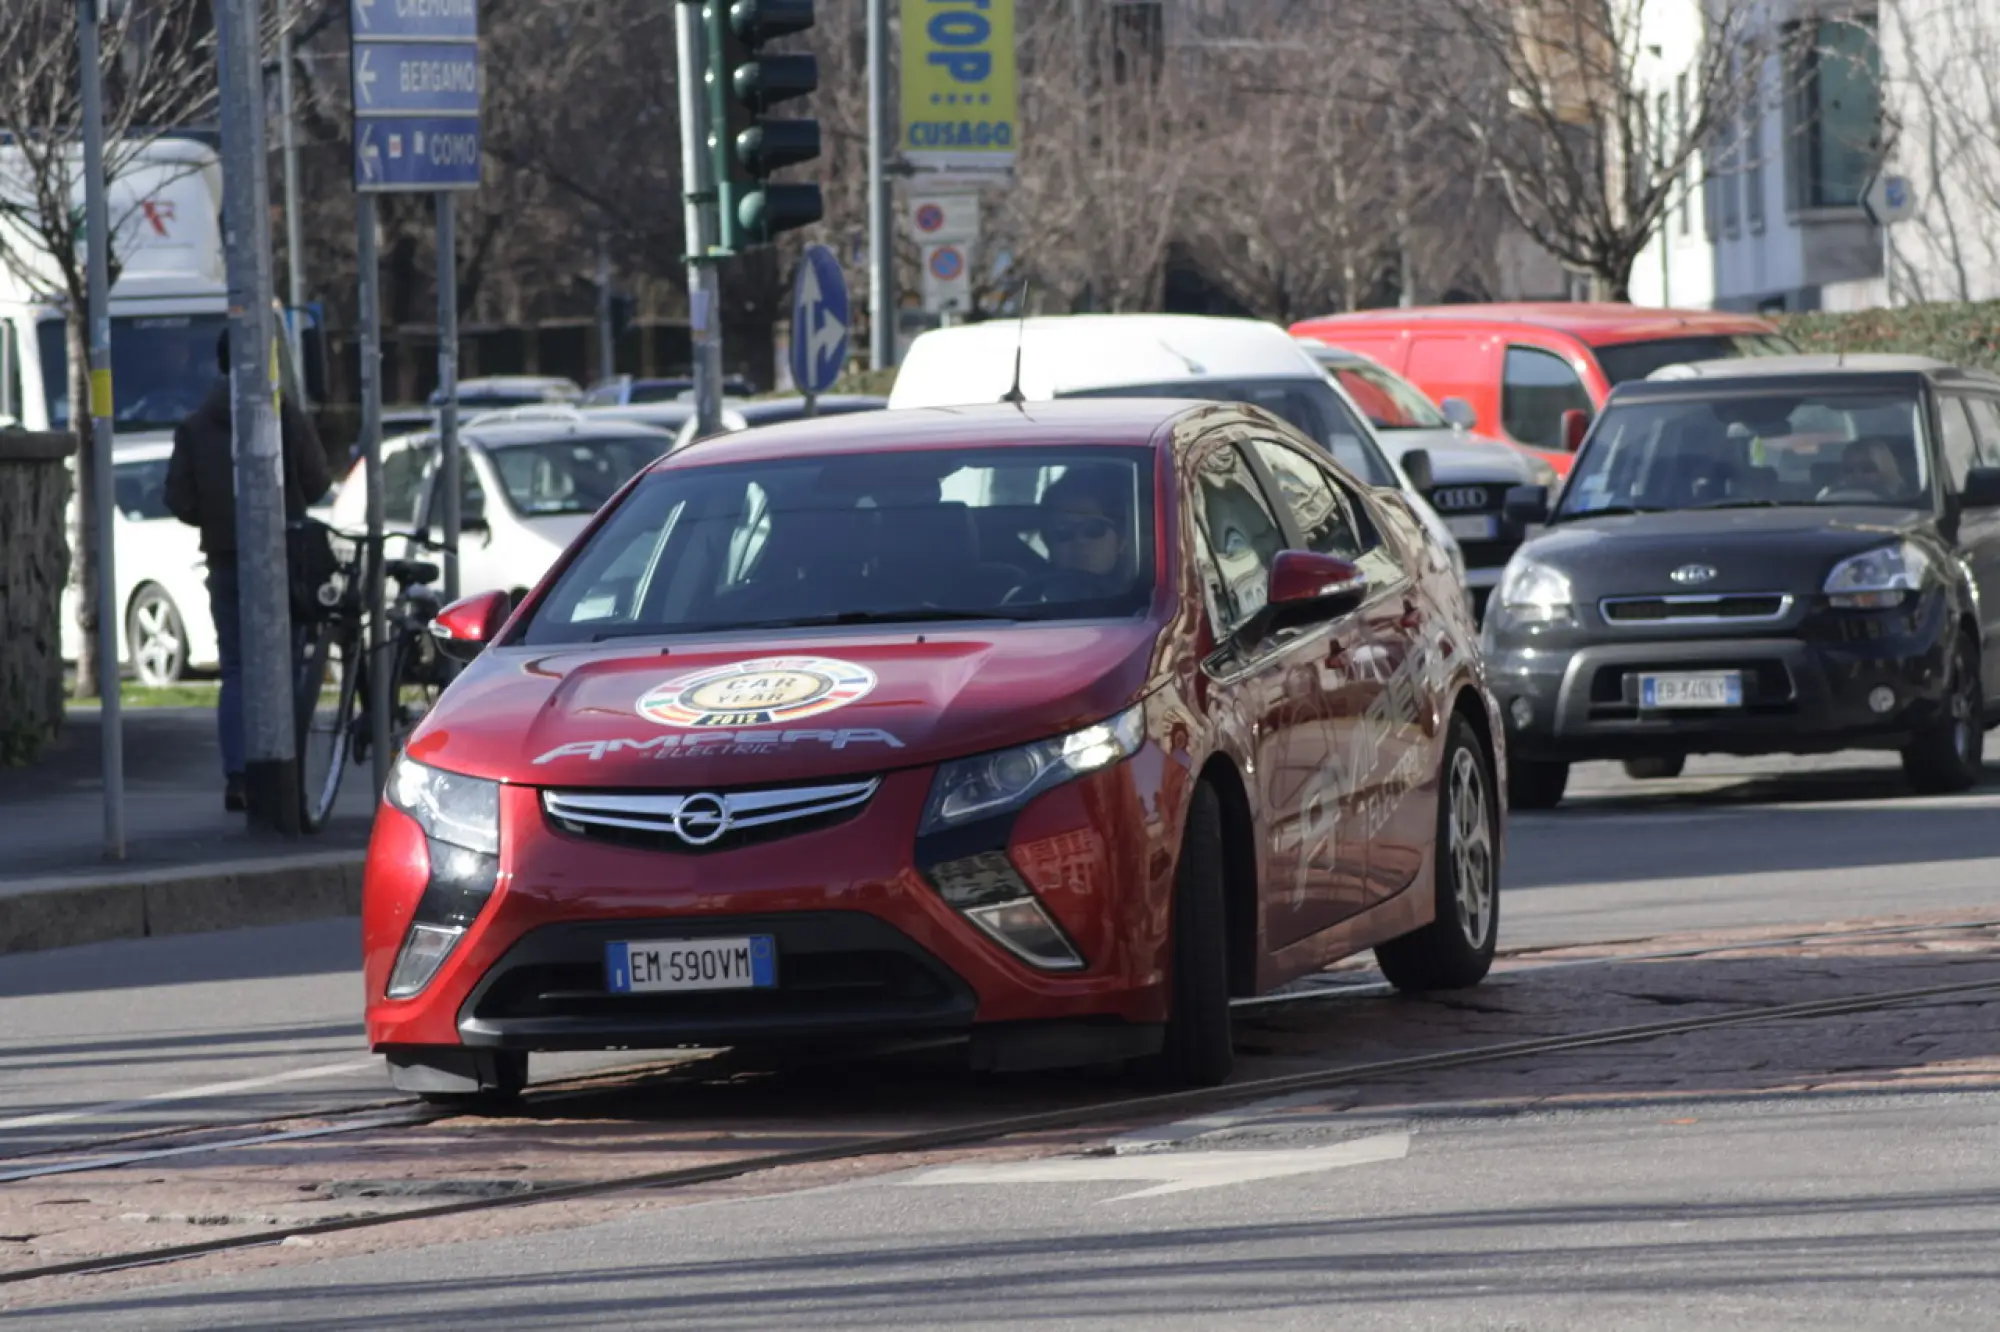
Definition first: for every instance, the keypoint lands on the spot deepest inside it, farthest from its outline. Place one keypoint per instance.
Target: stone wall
(34, 563)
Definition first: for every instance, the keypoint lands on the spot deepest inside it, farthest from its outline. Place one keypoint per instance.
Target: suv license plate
(669, 965)
(1712, 689)
(1473, 527)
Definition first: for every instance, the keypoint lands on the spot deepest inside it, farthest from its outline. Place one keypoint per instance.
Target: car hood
(1750, 550)
(1457, 458)
(637, 714)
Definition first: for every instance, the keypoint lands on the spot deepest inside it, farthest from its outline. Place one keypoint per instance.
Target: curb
(65, 912)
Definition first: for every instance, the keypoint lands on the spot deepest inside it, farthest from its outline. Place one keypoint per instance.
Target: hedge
(1966, 334)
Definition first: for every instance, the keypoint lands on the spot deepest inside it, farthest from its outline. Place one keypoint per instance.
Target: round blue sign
(820, 320)
(947, 262)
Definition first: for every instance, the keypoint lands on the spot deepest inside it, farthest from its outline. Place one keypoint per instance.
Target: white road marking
(1177, 1172)
(183, 1094)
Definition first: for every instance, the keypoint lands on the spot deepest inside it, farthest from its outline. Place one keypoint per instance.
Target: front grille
(1719, 608)
(1767, 687)
(704, 821)
(808, 984)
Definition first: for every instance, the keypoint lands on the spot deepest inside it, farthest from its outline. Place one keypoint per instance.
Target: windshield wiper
(1741, 504)
(1612, 511)
(913, 616)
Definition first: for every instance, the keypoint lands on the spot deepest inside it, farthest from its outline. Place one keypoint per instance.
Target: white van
(1158, 356)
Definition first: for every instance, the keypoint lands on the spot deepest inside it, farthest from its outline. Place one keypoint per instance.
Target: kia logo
(1459, 497)
(1692, 573)
(701, 820)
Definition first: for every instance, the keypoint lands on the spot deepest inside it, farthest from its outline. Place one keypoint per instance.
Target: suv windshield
(162, 366)
(1824, 446)
(1010, 533)
(1307, 402)
(570, 474)
(1636, 360)
(1390, 403)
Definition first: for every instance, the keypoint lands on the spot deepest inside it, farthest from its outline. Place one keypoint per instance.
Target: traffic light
(744, 82)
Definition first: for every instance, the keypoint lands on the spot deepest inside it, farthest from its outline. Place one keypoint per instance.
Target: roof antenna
(1014, 394)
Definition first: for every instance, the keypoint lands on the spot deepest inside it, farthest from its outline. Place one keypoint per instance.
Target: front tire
(1656, 769)
(1197, 1049)
(1949, 755)
(1532, 785)
(156, 638)
(1456, 949)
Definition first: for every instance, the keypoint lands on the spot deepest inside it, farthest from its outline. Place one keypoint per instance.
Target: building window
(1838, 111)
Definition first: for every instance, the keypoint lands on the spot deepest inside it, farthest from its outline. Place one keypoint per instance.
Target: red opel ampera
(1050, 727)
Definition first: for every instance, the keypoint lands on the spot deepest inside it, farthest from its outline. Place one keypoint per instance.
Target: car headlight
(997, 783)
(1878, 578)
(1533, 593)
(460, 817)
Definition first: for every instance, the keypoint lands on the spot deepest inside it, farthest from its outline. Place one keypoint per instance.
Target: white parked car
(164, 628)
(530, 480)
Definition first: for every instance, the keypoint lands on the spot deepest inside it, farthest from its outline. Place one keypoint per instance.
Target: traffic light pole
(698, 173)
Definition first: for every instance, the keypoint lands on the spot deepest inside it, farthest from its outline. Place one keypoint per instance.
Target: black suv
(1782, 555)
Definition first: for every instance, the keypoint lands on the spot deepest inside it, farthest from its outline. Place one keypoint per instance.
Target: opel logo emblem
(701, 819)
(1692, 573)
(1458, 497)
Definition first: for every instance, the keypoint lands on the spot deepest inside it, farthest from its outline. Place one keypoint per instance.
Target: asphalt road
(133, 1035)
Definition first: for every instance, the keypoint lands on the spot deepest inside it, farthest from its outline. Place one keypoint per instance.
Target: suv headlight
(460, 817)
(1531, 592)
(1878, 578)
(1003, 781)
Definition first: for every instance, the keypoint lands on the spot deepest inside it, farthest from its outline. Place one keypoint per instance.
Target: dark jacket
(201, 478)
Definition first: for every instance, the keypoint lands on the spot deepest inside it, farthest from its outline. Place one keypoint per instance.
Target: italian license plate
(1473, 527)
(669, 965)
(1706, 689)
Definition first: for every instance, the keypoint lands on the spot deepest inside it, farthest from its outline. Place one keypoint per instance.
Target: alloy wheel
(1471, 846)
(159, 643)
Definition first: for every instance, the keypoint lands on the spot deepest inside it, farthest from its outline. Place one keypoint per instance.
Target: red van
(1522, 369)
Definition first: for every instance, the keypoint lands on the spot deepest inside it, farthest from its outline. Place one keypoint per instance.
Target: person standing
(201, 492)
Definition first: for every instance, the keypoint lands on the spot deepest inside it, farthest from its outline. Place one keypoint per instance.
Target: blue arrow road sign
(820, 319)
(393, 20)
(416, 78)
(395, 153)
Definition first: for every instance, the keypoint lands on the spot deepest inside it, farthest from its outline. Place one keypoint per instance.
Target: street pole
(448, 469)
(881, 242)
(270, 708)
(295, 264)
(607, 351)
(379, 696)
(704, 313)
(97, 226)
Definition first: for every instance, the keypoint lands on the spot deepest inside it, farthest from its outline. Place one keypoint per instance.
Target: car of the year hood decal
(768, 691)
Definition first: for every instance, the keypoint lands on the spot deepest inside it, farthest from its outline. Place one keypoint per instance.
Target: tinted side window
(402, 482)
(1241, 532)
(1536, 389)
(1321, 512)
(1961, 446)
(1986, 419)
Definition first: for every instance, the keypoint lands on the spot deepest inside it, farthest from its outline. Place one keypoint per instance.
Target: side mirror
(465, 628)
(1981, 489)
(1417, 466)
(1306, 585)
(1526, 506)
(1575, 425)
(1459, 412)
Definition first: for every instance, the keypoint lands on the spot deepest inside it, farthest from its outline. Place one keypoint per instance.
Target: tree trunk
(34, 493)
(84, 534)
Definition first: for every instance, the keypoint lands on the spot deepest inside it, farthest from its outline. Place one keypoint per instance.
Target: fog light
(423, 953)
(1023, 928)
(1523, 713)
(1881, 698)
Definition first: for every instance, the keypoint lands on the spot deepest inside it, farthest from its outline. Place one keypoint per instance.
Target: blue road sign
(405, 20)
(414, 73)
(416, 78)
(393, 153)
(820, 319)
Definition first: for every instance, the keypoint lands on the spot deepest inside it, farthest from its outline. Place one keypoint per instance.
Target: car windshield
(1391, 403)
(658, 390)
(1636, 360)
(570, 474)
(162, 366)
(1826, 446)
(141, 488)
(1310, 404)
(964, 533)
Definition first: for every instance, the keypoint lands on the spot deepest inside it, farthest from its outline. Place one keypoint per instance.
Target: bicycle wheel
(414, 685)
(326, 721)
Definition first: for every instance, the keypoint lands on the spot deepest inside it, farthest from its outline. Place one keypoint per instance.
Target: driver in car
(1086, 523)
(1868, 467)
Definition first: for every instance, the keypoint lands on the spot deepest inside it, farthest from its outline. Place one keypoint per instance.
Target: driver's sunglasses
(1077, 529)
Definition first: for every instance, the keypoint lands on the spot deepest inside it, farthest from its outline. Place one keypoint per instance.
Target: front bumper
(867, 949)
(1807, 692)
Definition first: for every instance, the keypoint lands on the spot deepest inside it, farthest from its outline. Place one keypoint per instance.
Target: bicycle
(335, 641)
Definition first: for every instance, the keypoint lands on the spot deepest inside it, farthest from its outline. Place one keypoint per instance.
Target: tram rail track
(1001, 1127)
